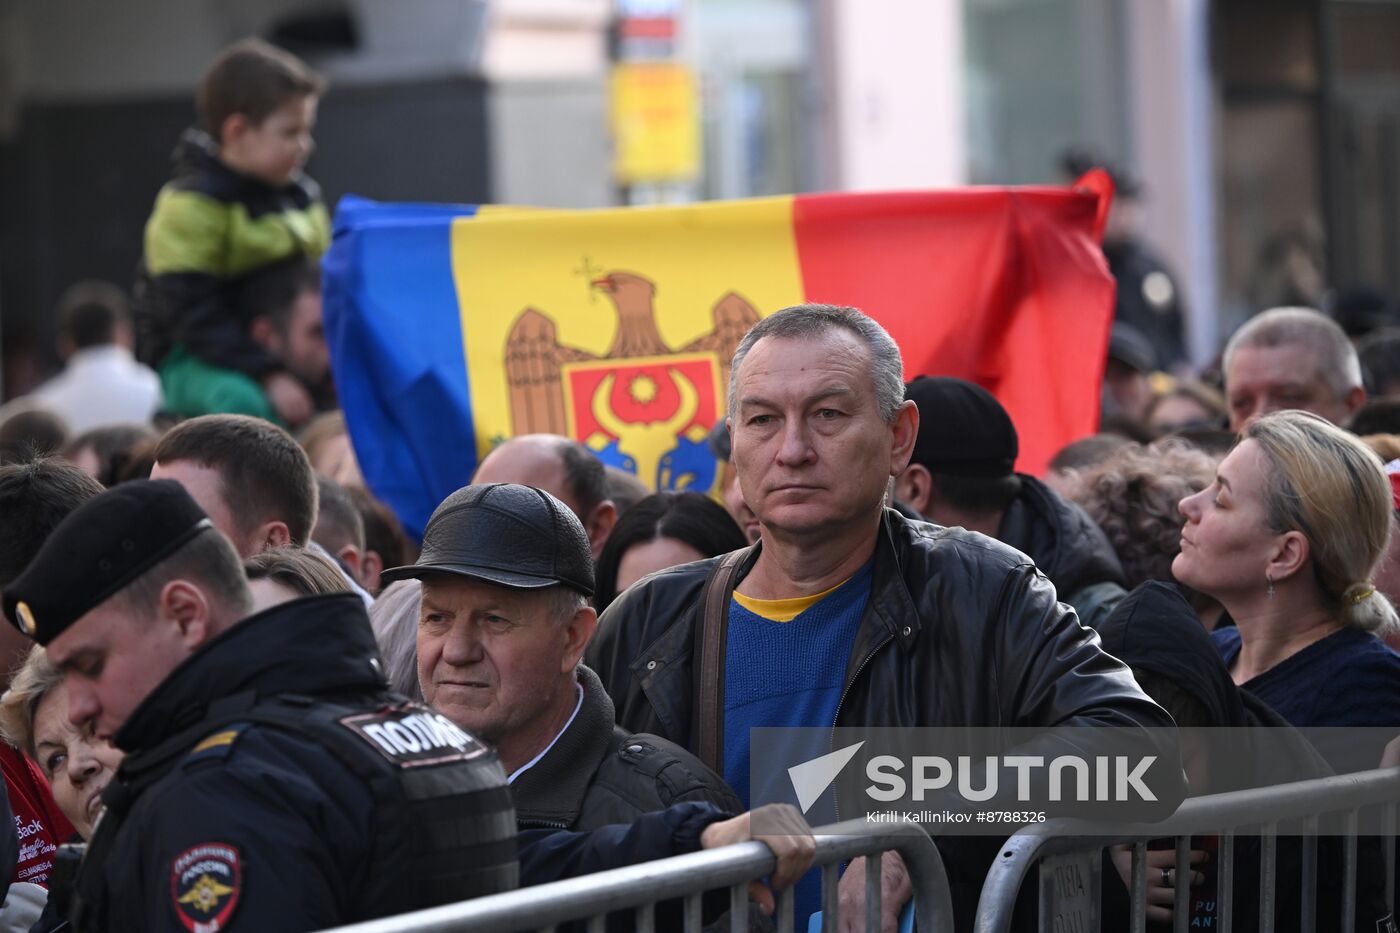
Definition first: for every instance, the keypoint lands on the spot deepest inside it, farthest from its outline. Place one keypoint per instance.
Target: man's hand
(789, 837)
(895, 891)
(1161, 896)
(288, 397)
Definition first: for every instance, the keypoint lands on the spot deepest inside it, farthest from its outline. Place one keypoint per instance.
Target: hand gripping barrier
(590, 898)
(1303, 802)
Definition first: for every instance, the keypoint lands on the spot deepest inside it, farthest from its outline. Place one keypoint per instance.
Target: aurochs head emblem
(644, 407)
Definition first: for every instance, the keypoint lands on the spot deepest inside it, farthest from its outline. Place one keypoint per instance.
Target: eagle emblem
(643, 406)
(205, 883)
(204, 895)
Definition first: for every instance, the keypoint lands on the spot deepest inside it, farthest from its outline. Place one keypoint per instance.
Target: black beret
(503, 533)
(963, 430)
(101, 547)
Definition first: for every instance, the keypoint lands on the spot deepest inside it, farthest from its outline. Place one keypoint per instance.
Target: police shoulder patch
(216, 745)
(413, 736)
(206, 882)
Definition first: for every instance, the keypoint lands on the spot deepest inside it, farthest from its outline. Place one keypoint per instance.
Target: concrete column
(1173, 135)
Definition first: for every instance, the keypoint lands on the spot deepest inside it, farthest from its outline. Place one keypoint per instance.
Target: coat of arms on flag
(643, 406)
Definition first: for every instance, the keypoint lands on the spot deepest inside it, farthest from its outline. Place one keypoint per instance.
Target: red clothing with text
(38, 821)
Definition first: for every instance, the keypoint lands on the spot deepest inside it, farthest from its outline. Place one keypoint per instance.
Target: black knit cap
(963, 430)
(503, 533)
(100, 548)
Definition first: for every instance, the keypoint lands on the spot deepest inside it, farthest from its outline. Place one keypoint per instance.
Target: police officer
(271, 781)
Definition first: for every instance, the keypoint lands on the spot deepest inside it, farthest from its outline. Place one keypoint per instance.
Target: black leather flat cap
(507, 534)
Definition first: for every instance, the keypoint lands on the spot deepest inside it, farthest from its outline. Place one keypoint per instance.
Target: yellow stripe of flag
(616, 326)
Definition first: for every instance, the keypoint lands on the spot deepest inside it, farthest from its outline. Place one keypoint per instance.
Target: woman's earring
(1271, 585)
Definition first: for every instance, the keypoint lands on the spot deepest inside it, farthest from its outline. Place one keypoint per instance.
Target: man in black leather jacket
(506, 572)
(954, 628)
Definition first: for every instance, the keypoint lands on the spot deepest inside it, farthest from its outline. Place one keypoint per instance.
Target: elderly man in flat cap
(271, 780)
(507, 571)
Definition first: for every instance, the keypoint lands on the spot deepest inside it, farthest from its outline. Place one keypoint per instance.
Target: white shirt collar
(534, 761)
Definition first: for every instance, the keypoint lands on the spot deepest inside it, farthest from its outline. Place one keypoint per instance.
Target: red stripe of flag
(1006, 288)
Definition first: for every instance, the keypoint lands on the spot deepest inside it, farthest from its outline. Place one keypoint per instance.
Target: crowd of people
(263, 706)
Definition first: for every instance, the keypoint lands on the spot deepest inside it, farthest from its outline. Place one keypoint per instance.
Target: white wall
(547, 62)
(894, 90)
(549, 144)
(546, 39)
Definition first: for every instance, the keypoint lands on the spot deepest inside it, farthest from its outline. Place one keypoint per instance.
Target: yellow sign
(655, 122)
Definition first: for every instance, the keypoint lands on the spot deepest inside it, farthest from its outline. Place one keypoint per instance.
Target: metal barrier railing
(1222, 814)
(640, 888)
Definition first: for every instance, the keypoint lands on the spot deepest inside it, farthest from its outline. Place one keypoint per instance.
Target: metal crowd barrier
(1070, 848)
(640, 888)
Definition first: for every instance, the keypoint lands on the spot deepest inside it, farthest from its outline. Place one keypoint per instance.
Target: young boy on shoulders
(238, 204)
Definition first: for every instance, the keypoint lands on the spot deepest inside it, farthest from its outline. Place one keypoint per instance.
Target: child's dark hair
(252, 78)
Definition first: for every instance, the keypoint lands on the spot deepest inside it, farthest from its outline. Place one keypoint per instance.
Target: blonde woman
(1286, 538)
(34, 717)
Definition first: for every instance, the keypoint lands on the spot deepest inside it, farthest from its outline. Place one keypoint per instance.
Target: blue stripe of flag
(395, 335)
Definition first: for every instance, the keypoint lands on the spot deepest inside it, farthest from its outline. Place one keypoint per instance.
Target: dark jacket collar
(197, 155)
(1065, 543)
(319, 644)
(891, 607)
(552, 791)
(890, 613)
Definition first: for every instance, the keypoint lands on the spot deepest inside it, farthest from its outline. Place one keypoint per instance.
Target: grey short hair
(1337, 361)
(563, 603)
(394, 618)
(812, 320)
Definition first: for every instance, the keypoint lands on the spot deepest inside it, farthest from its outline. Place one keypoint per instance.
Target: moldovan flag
(452, 328)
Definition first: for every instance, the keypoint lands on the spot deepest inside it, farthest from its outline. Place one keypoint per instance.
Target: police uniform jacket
(273, 783)
(597, 774)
